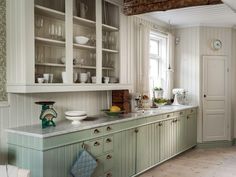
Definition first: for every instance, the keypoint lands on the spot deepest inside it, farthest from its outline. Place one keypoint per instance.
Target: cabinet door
(168, 140)
(191, 130)
(181, 133)
(124, 153)
(143, 147)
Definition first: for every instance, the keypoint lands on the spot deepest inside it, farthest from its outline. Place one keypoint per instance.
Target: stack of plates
(75, 116)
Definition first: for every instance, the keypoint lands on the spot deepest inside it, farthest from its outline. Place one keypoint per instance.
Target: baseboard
(215, 144)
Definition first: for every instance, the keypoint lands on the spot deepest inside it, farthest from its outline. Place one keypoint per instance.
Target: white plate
(76, 120)
(75, 113)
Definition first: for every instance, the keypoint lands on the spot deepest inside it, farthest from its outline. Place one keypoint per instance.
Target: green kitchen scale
(48, 113)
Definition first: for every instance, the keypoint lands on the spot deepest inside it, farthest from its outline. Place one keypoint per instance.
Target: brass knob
(136, 130)
(160, 124)
(181, 113)
(108, 140)
(96, 131)
(109, 128)
(168, 115)
(96, 143)
(109, 157)
(188, 117)
(109, 175)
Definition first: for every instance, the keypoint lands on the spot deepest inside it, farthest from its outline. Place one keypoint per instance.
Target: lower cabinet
(121, 152)
(125, 153)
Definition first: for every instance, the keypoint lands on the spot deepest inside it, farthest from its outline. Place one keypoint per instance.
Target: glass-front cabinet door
(69, 43)
(49, 41)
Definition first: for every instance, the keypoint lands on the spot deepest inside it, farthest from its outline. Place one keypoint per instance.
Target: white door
(215, 98)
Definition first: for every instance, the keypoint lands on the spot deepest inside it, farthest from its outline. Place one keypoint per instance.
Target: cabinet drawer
(168, 115)
(109, 174)
(108, 144)
(97, 132)
(99, 170)
(153, 119)
(180, 113)
(191, 111)
(95, 147)
(108, 162)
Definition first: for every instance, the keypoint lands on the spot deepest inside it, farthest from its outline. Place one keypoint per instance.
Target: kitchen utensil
(112, 114)
(75, 77)
(75, 113)
(50, 78)
(46, 77)
(94, 79)
(48, 113)
(83, 10)
(64, 77)
(40, 80)
(81, 39)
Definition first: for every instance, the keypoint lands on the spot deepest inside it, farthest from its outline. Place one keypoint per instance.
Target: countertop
(65, 126)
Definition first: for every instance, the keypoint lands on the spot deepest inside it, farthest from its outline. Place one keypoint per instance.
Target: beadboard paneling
(187, 62)
(194, 43)
(23, 110)
(233, 74)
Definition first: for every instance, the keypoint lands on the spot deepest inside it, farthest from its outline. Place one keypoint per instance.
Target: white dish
(76, 120)
(75, 113)
(81, 39)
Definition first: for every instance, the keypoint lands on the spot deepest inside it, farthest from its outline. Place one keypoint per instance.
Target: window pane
(154, 48)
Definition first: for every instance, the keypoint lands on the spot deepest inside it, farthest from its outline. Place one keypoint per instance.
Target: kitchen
(81, 54)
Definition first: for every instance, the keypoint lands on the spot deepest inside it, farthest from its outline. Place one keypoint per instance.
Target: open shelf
(109, 28)
(84, 46)
(50, 88)
(50, 41)
(75, 66)
(84, 22)
(49, 12)
(110, 50)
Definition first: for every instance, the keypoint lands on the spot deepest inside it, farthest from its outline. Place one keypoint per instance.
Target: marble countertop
(65, 126)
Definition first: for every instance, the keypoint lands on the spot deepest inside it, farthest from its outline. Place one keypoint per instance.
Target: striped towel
(84, 166)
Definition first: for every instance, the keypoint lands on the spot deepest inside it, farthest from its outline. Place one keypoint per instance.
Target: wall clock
(216, 44)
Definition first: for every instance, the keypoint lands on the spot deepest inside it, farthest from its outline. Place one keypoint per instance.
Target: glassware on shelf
(39, 54)
(39, 24)
(55, 31)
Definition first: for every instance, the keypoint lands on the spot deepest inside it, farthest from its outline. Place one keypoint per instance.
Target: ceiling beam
(134, 7)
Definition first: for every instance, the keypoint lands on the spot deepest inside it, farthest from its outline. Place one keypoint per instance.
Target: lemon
(115, 109)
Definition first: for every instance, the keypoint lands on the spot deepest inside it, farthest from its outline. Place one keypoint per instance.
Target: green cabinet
(124, 153)
(122, 149)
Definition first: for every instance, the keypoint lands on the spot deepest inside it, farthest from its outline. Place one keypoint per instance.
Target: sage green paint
(134, 146)
(3, 95)
(215, 144)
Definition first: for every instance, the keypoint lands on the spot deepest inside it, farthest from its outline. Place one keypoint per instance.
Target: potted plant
(158, 92)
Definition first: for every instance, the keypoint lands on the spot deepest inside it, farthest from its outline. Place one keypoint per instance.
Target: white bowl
(76, 120)
(40, 80)
(75, 113)
(81, 39)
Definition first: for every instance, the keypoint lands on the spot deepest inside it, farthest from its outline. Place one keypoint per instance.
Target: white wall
(195, 42)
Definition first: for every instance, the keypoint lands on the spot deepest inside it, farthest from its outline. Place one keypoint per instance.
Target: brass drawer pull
(174, 121)
(96, 131)
(109, 128)
(168, 115)
(191, 110)
(109, 157)
(181, 113)
(188, 117)
(96, 143)
(109, 175)
(136, 130)
(108, 140)
(160, 124)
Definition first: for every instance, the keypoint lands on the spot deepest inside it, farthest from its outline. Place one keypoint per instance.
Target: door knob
(205, 96)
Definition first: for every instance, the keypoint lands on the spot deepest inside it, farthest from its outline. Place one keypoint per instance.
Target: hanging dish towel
(84, 166)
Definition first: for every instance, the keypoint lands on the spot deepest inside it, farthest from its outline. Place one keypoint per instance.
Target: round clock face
(216, 44)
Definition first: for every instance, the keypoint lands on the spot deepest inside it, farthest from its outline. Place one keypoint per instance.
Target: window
(158, 62)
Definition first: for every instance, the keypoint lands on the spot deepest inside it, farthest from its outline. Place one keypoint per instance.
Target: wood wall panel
(23, 111)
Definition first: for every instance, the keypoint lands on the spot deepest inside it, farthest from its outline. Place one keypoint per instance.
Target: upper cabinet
(65, 45)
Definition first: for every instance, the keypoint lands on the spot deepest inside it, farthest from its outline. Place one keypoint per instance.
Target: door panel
(214, 98)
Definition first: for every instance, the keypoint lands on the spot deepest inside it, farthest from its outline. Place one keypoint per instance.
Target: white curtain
(143, 59)
(170, 71)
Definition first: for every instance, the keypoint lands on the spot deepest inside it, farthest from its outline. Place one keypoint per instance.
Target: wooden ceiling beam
(134, 7)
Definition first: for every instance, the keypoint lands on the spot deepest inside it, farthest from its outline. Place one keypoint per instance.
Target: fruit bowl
(75, 116)
(112, 114)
